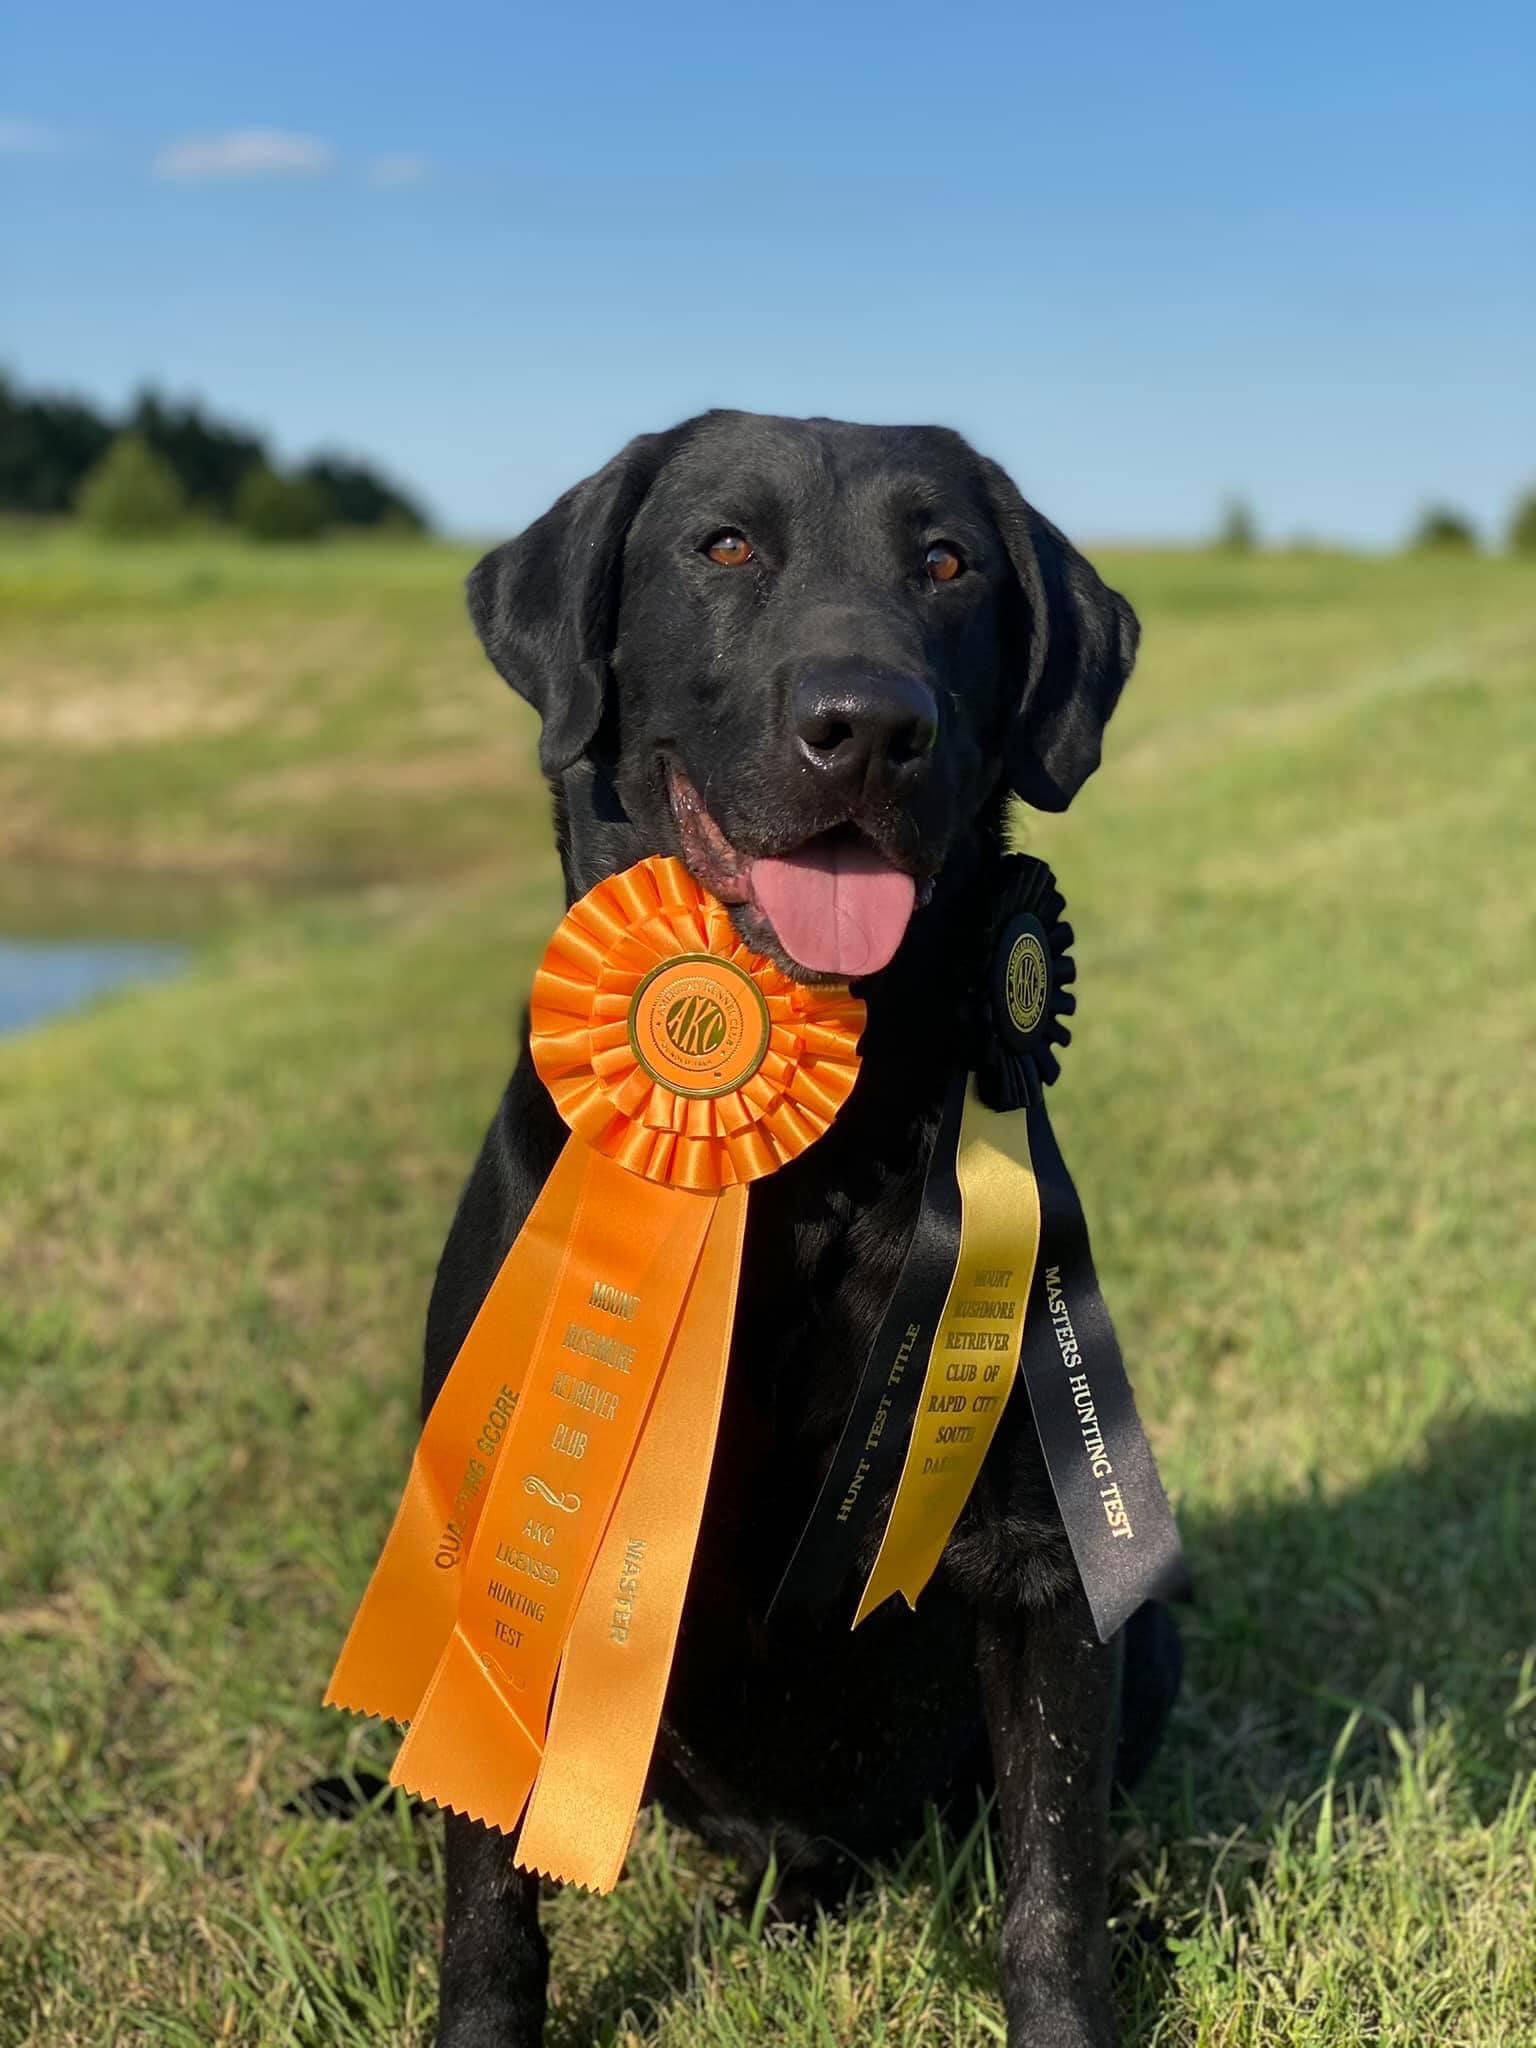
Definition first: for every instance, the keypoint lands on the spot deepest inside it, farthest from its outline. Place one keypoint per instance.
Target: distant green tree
(269, 506)
(361, 497)
(210, 458)
(132, 493)
(48, 446)
(1238, 533)
(1443, 528)
(1522, 526)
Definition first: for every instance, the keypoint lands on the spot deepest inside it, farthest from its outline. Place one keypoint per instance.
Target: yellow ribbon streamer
(975, 1351)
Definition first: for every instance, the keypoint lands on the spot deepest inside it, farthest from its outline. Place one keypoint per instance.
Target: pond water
(40, 977)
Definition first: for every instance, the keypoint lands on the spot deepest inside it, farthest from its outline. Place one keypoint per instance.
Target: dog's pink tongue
(837, 909)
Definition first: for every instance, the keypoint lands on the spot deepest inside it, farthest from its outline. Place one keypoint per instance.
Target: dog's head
(807, 658)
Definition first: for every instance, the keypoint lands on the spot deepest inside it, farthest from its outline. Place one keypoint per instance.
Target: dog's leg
(495, 1957)
(1050, 1691)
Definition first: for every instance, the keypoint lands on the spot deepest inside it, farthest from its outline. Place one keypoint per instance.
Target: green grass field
(1301, 1107)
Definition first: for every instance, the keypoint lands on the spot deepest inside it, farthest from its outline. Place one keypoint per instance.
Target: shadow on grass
(678, 1940)
(1421, 1581)
(1323, 1625)
(1412, 1595)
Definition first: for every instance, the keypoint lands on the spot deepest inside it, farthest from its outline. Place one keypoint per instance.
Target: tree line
(165, 463)
(1437, 529)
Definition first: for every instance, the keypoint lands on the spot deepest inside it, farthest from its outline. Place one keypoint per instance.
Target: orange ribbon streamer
(550, 1519)
(478, 1738)
(614, 1675)
(406, 1615)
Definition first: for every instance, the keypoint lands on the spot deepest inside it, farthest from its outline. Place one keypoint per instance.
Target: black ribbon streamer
(1117, 1518)
(1118, 1521)
(868, 1460)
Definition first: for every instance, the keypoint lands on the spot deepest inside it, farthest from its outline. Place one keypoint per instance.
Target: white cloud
(32, 138)
(244, 153)
(391, 172)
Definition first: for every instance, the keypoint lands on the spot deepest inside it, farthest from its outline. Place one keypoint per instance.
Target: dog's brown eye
(730, 549)
(944, 565)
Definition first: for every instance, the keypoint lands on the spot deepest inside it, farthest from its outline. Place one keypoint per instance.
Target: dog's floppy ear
(1078, 641)
(546, 604)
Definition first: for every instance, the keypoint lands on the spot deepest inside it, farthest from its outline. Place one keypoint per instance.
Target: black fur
(804, 1740)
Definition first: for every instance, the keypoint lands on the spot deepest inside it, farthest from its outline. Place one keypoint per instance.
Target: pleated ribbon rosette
(523, 1614)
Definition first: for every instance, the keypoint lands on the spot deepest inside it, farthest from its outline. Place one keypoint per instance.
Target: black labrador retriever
(811, 660)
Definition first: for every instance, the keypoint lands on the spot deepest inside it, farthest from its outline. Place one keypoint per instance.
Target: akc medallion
(1028, 982)
(699, 1026)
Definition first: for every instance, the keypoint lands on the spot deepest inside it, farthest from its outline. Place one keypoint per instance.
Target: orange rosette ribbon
(671, 1047)
(524, 1611)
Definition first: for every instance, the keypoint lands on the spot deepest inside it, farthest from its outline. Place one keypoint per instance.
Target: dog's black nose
(871, 734)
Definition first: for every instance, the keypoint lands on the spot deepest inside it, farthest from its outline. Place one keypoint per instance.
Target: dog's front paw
(485, 2032)
(1043, 2014)
(490, 2022)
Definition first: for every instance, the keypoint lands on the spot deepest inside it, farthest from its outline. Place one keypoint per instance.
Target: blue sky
(1145, 254)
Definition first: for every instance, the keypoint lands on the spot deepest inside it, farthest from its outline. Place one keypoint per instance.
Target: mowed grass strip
(1300, 1105)
(189, 730)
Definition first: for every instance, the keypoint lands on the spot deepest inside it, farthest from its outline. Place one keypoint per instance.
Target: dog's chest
(825, 1243)
(799, 1716)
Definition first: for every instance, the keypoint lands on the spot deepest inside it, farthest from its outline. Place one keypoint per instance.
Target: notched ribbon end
(584, 1881)
(467, 1750)
(354, 1704)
